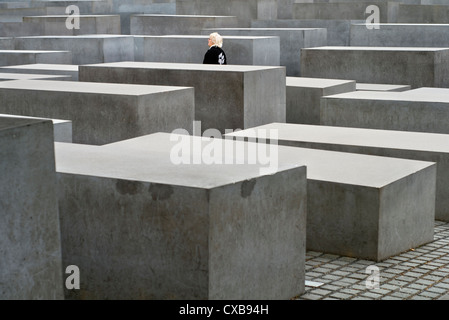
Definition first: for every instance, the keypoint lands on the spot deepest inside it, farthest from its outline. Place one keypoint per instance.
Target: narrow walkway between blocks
(419, 274)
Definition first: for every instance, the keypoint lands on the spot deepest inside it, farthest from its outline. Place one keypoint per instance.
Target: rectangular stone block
(244, 10)
(18, 29)
(25, 76)
(7, 43)
(52, 25)
(226, 96)
(291, 41)
(101, 112)
(401, 35)
(44, 68)
(362, 206)
(420, 111)
(382, 87)
(304, 97)
(241, 50)
(85, 49)
(348, 10)
(417, 67)
(189, 231)
(13, 57)
(30, 246)
(160, 24)
(416, 13)
(62, 129)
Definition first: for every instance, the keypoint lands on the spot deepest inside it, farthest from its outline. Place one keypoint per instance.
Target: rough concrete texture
(226, 96)
(291, 42)
(167, 231)
(423, 13)
(84, 48)
(417, 67)
(304, 97)
(101, 112)
(30, 247)
(160, 24)
(15, 57)
(364, 206)
(241, 50)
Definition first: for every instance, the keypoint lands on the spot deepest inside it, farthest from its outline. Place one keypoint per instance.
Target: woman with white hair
(215, 54)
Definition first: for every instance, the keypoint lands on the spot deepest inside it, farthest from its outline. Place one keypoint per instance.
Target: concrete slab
(420, 111)
(241, 50)
(62, 129)
(85, 49)
(417, 67)
(364, 206)
(304, 97)
(382, 87)
(416, 13)
(15, 57)
(292, 40)
(30, 246)
(6, 43)
(388, 143)
(88, 24)
(44, 68)
(25, 76)
(158, 230)
(101, 112)
(226, 96)
(160, 24)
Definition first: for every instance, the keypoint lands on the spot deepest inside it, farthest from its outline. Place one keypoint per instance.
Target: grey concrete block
(421, 146)
(168, 231)
(160, 24)
(241, 50)
(52, 25)
(25, 76)
(364, 206)
(382, 87)
(7, 43)
(420, 111)
(44, 68)
(291, 41)
(101, 112)
(304, 97)
(62, 129)
(84, 48)
(415, 13)
(338, 31)
(401, 35)
(15, 57)
(417, 67)
(355, 10)
(30, 246)
(244, 10)
(226, 96)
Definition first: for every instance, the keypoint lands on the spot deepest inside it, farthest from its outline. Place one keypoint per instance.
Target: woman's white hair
(216, 39)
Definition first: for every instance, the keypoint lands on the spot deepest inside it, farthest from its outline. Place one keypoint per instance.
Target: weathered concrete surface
(30, 247)
(14, 57)
(226, 96)
(364, 206)
(167, 231)
(85, 49)
(412, 13)
(291, 42)
(44, 68)
(160, 24)
(420, 110)
(242, 50)
(417, 67)
(6, 43)
(101, 112)
(304, 97)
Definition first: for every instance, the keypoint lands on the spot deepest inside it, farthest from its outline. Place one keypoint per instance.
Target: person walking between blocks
(215, 54)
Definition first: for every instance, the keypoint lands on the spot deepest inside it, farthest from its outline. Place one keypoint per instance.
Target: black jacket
(215, 55)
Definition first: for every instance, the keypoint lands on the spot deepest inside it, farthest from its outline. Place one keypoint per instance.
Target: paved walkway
(419, 274)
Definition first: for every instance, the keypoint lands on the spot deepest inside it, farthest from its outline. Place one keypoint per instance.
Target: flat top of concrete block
(81, 36)
(187, 36)
(7, 122)
(180, 16)
(29, 51)
(354, 48)
(420, 95)
(181, 66)
(55, 121)
(391, 139)
(314, 82)
(26, 76)
(381, 87)
(43, 66)
(264, 29)
(58, 16)
(343, 167)
(407, 25)
(148, 158)
(87, 87)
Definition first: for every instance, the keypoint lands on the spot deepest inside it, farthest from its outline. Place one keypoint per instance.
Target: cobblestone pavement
(419, 274)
